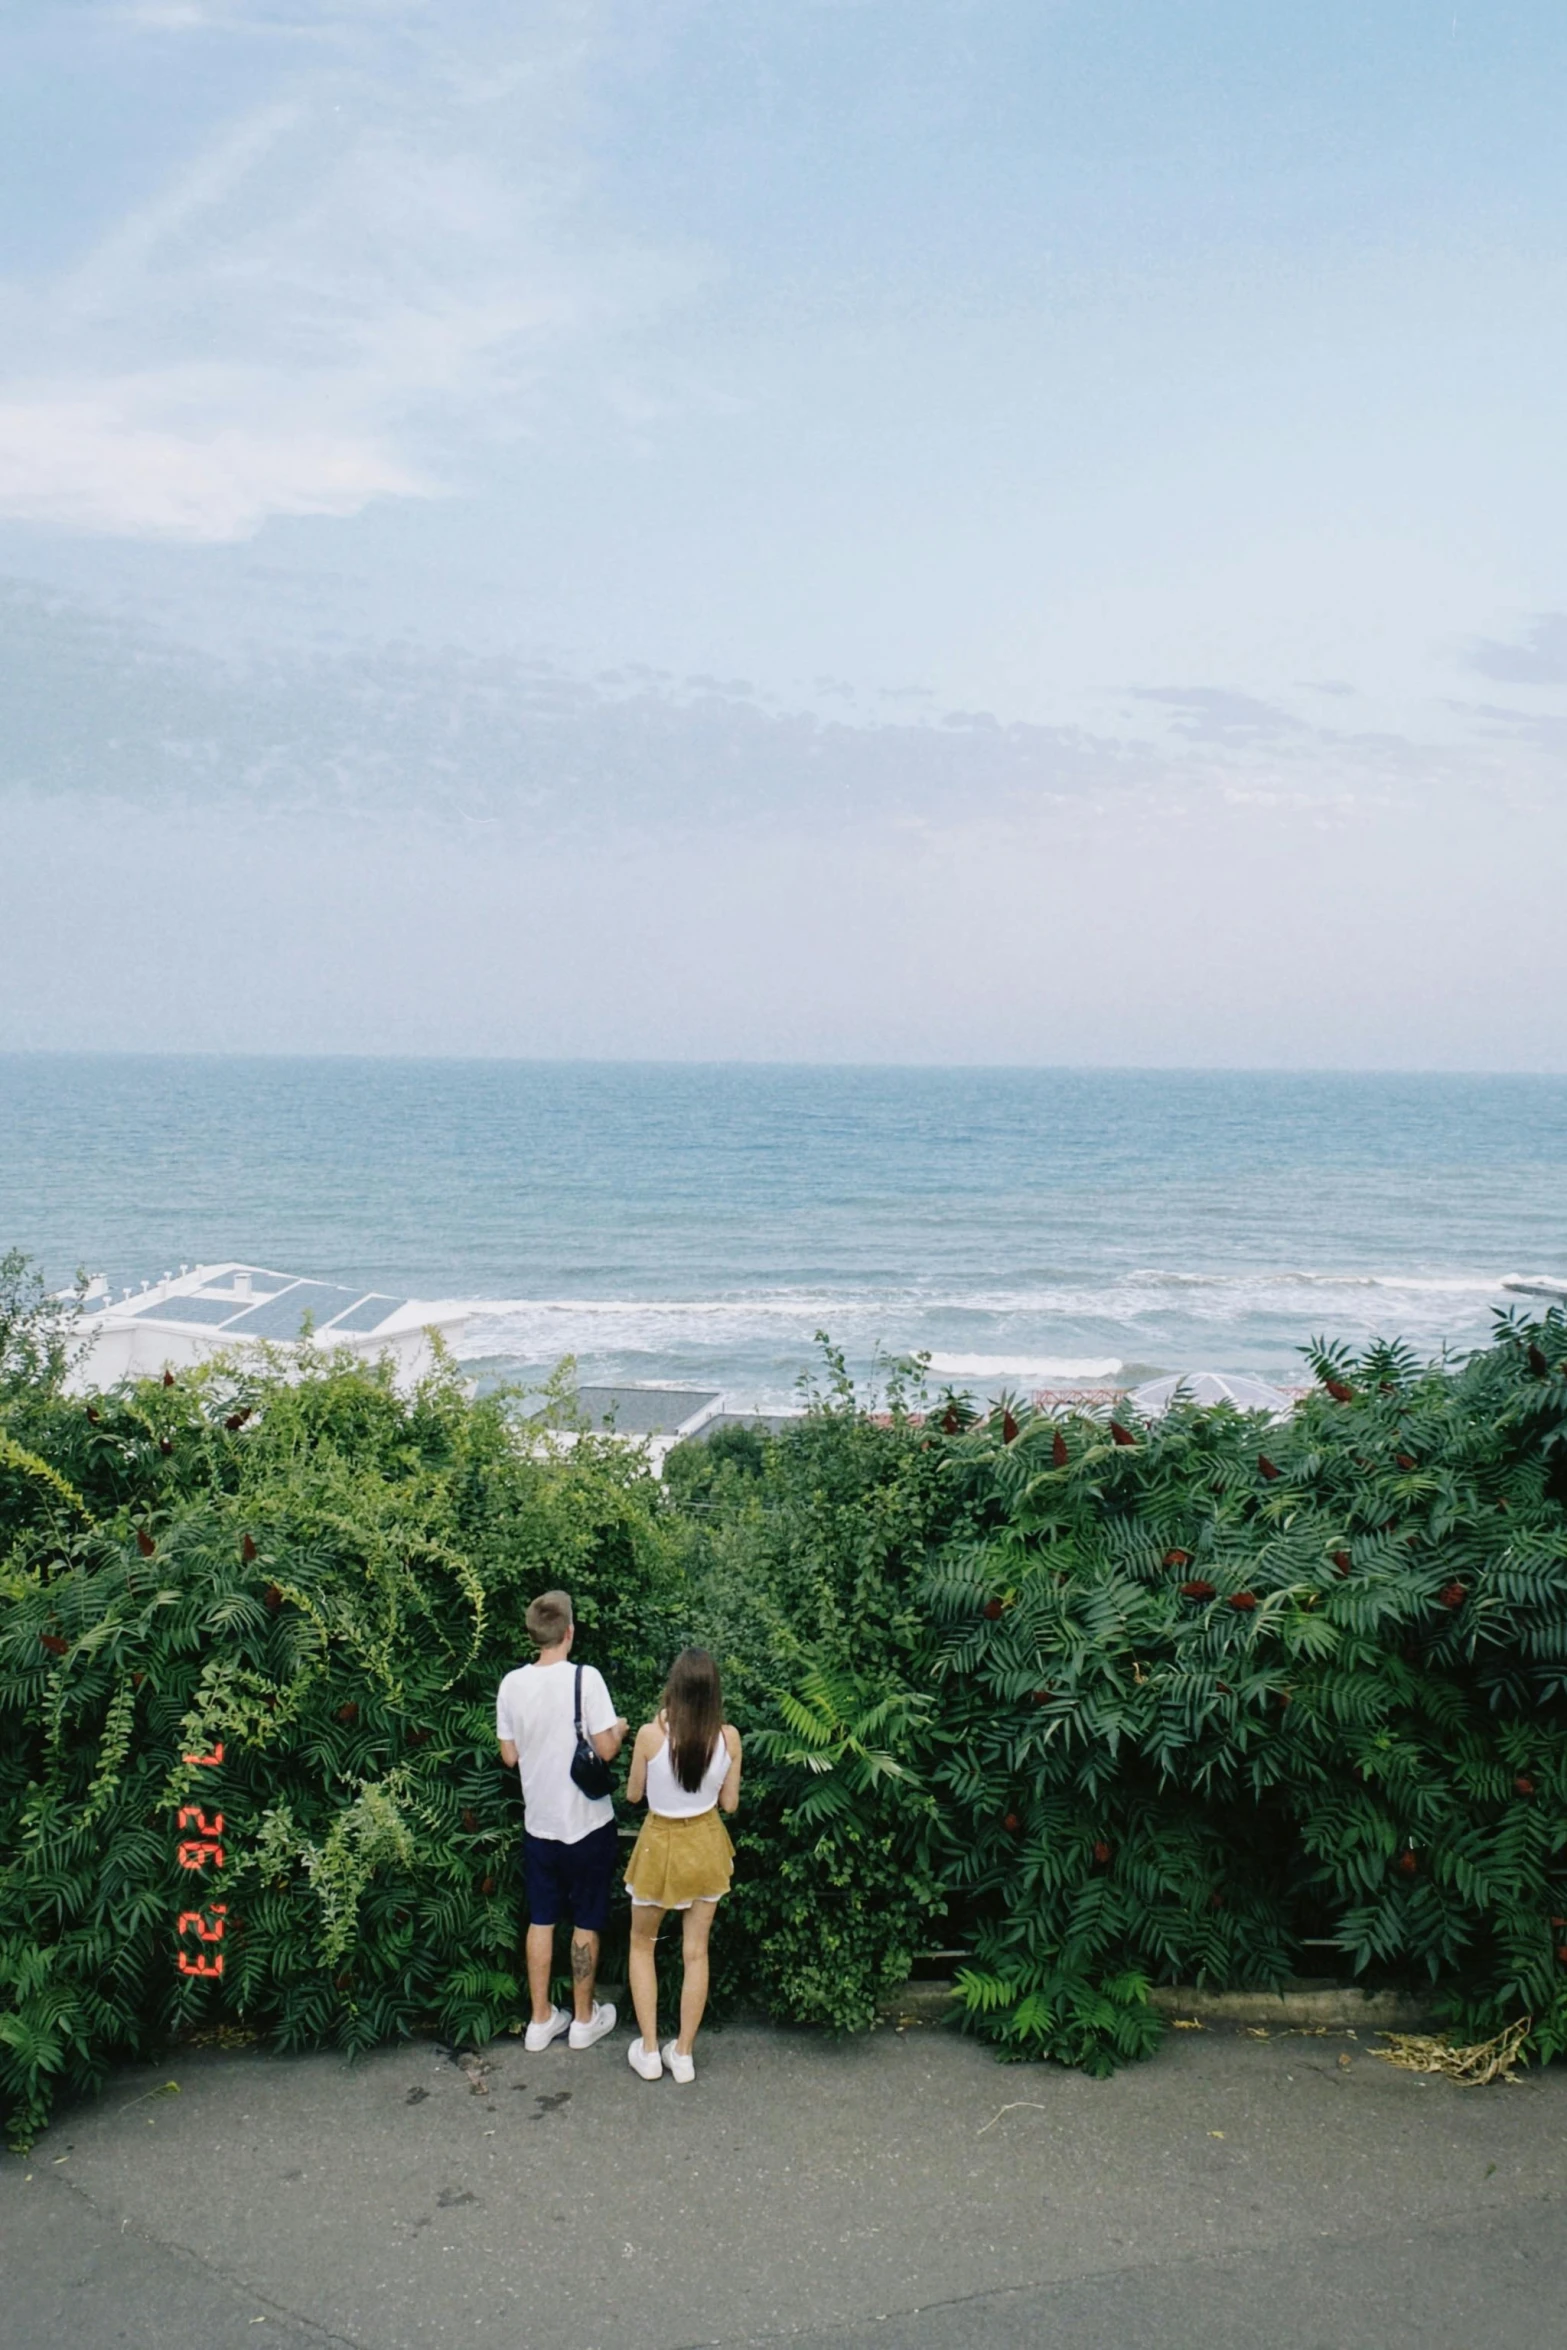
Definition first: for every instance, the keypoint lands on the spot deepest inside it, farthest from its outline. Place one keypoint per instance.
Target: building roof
(1239, 1388)
(770, 1423)
(644, 1411)
(252, 1301)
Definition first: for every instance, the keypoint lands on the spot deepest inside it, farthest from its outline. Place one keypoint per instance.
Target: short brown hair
(549, 1619)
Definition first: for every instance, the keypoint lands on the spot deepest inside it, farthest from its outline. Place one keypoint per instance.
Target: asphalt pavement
(902, 2190)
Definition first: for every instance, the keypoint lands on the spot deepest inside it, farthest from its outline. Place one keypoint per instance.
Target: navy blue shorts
(571, 1879)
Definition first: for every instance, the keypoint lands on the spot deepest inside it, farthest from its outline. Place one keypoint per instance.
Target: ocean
(699, 1224)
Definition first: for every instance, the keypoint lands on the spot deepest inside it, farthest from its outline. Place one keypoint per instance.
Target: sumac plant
(1252, 1703)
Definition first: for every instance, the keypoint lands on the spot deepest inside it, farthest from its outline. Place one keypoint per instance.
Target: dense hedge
(1101, 1705)
(1222, 1700)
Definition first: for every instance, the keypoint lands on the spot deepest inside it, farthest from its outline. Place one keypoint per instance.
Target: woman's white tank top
(669, 1799)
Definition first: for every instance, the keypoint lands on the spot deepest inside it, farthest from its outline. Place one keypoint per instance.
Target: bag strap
(579, 1704)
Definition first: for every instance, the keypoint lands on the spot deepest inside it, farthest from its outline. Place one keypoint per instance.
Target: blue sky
(946, 529)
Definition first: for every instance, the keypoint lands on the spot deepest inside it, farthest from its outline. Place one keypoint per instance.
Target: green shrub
(1216, 1691)
(329, 1579)
(804, 1554)
(1110, 1705)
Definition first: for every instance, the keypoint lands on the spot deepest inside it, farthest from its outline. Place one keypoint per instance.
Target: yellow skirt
(676, 1862)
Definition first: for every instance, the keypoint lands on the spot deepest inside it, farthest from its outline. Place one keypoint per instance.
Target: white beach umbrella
(1234, 1387)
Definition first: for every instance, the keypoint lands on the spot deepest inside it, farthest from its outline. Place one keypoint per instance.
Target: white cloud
(114, 460)
(363, 271)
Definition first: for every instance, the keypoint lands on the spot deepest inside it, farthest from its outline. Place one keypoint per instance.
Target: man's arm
(607, 1743)
(508, 1754)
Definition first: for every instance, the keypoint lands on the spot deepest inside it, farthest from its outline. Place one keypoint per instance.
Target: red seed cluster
(1453, 1594)
(1058, 1451)
(1177, 1558)
(1197, 1589)
(1244, 1600)
(1269, 1468)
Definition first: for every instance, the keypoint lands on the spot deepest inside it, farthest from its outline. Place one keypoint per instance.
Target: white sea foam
(909, 1315)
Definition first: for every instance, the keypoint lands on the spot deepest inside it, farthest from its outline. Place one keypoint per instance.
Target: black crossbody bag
(589, 1770)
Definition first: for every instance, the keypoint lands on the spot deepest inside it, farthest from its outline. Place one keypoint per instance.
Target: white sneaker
(602, 2020)
(645, 2061)
(683, 2068)
(539, 2036)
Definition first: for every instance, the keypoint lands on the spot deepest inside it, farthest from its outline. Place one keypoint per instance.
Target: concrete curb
(1304, 2006)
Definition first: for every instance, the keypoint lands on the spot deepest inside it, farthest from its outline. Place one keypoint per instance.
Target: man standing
(569, 1843)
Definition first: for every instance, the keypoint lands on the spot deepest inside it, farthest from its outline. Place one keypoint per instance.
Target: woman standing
(688, 1765)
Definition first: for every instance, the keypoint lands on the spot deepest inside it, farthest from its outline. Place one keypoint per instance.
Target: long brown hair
(693, 1715)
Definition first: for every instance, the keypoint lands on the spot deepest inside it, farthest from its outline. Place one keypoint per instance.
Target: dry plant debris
(1473, 2067)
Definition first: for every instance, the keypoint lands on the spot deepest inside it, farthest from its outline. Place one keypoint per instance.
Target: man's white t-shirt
(535, 1710)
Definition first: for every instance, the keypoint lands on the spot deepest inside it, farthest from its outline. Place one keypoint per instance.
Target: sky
(916, 530)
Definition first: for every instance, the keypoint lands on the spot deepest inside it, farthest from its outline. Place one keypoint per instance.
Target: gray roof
(771, 1423)
(1239, 1388)
(641, 1411)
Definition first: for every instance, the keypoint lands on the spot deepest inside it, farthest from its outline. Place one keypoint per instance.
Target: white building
(216, 1309)
(655, 1419)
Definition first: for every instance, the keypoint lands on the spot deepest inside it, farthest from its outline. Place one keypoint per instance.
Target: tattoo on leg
(581, 1960)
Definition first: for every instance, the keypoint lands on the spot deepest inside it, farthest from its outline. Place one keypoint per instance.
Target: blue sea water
(700, 1223)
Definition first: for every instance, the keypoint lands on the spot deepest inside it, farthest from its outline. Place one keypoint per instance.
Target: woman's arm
(729, 1793)
(636, 1778)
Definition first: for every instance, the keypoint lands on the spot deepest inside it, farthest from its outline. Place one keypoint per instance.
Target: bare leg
(541, 1954)
(584, 1969)
(644, 1972)
(693, 1991)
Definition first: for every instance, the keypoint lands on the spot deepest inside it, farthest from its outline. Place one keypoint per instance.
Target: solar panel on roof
(211, 1312)
(369, 1314)
(280, 1316)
